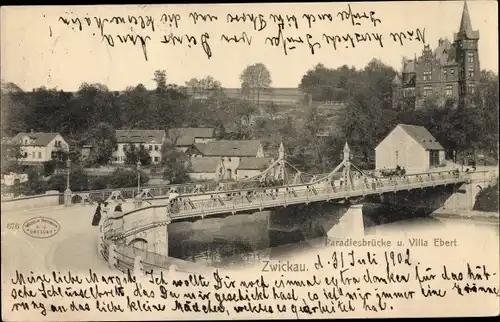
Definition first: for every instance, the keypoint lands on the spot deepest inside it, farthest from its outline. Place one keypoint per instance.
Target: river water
(237, 241)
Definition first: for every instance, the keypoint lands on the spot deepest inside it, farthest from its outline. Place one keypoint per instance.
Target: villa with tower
(450, 71)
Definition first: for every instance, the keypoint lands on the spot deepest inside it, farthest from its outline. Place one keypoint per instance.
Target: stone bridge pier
(319, 219)
(154, 240)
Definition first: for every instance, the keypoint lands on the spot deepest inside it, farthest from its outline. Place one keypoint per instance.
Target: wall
(249, 173)
(202, 175)
(120, 156)
(51, 198)
(203, 140)
(411, 155)
(230, 163)
(36, 149)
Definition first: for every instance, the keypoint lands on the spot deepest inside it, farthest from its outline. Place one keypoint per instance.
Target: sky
(39, 49)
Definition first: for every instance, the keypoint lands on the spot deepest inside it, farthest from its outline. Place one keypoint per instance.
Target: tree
(160, 78)
(103, 141)
(134, 105)
(325, 84)
(254, 79)
(14, 110)
(173, 163)
(134, 154)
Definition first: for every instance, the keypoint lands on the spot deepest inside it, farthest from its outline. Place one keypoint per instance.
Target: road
(73, 248)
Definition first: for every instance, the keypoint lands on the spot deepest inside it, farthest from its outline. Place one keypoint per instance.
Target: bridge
(346, 187)
(139, 237)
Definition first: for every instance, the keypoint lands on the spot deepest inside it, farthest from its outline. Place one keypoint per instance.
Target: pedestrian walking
(97, 215)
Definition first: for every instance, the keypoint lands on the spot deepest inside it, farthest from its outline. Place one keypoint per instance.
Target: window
(445, 74)
(228, 159)
(116, 148)
(427, 91)
(39, 155)
(157, 159)
(156, 147)
(472, 88)
(124, 148)
(449, 90)
(427, 75)
(25, 141)
(150, 147)
(471, 71)
(33, 155)
(471, 57)
(452, 71)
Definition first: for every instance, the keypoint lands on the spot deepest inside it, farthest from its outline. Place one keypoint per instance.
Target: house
(250, 167)
(203, 168)
(184, 138)
(230, 153)
(152, 140)
(411, 147)
(450, 71)
(38, 147)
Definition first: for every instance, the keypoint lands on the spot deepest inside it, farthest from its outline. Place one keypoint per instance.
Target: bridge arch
(137, 240)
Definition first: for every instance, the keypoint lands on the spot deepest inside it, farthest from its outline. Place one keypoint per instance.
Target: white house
(152, 140)
(183, 138)
(230, 153)
(411, 147)
(39, 147)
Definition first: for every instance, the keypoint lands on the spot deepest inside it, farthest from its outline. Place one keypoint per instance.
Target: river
(245, 239)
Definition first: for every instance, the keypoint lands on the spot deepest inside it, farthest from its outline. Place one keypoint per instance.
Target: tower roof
(465, 30)
(396, 80)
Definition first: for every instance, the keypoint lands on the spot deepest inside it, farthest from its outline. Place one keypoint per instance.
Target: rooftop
(140, 136)
(186, 136)
(422, 136)
(252, 163)
(39, 138)
(244, 148)
(203, 165)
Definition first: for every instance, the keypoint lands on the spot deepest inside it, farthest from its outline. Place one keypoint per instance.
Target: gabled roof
(140, 136)
(422, 136)
(252, 163)
(185, 136)
(203, 165)
(445, 53)
(200, 147)
(40, 138)
(226, 148)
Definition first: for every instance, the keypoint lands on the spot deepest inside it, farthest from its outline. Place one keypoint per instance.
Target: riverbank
(488, 216)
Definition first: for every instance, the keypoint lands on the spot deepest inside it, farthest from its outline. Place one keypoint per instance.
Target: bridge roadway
(201, 205)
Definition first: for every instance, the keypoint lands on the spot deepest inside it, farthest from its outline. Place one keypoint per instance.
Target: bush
(98, 182)
(125, 178)
(49, 167)
(487, 199)
(78, 181)
(35, 184)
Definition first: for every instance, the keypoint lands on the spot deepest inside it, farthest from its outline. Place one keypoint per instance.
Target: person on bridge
(97, 215)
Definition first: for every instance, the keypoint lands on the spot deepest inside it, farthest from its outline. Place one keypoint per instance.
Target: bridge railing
(189, 206)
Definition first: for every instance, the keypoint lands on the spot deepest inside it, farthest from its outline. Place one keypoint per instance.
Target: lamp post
(67, 192)
(138, 176)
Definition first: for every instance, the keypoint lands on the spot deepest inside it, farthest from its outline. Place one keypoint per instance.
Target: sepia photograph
(235, 161)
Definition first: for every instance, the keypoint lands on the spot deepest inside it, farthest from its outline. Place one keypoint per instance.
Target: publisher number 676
(12, 226)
